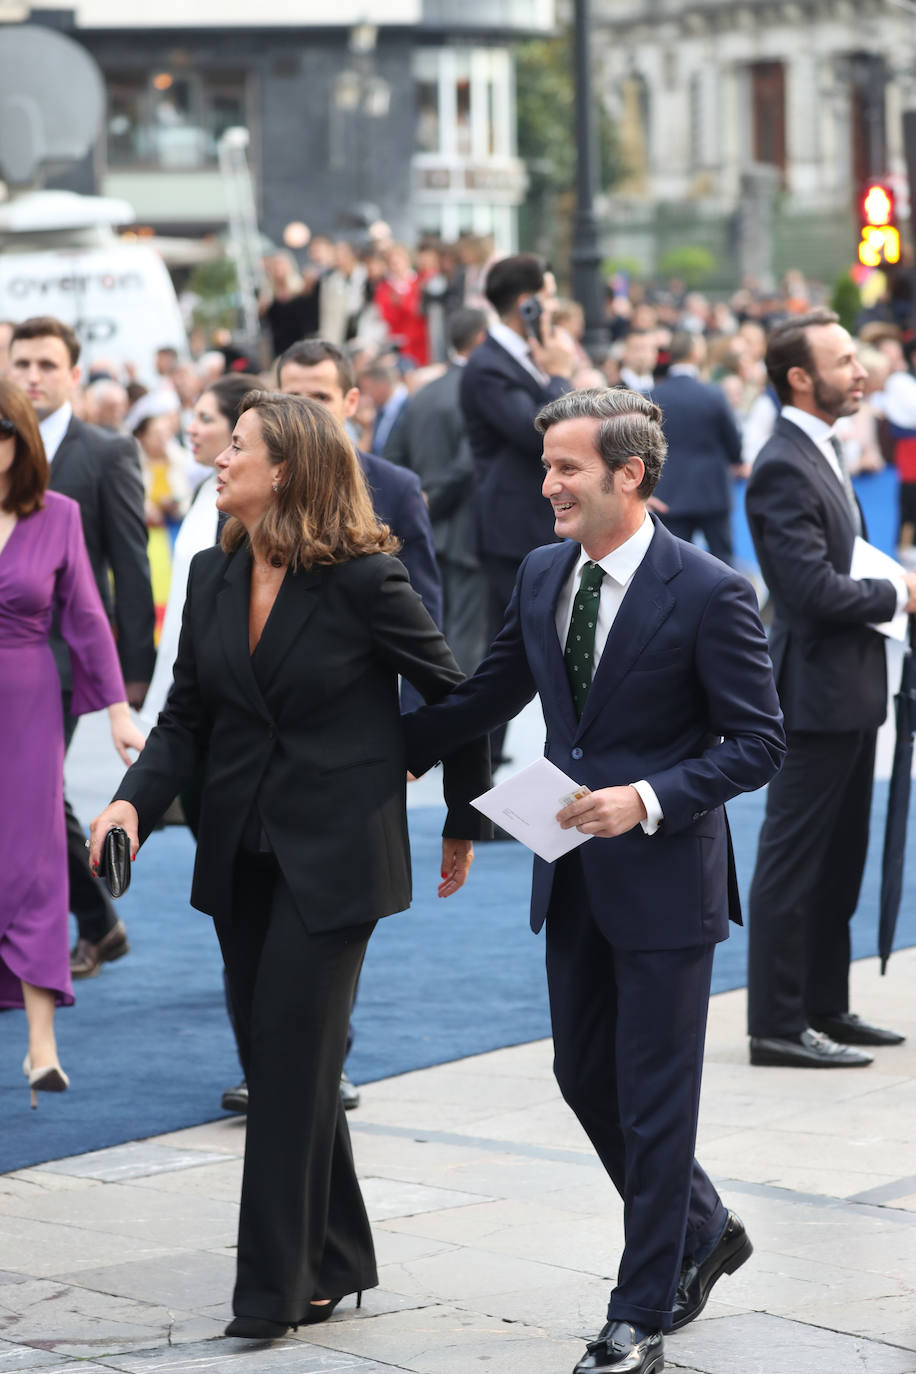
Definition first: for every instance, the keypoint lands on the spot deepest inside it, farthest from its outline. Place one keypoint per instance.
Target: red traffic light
(878, 205)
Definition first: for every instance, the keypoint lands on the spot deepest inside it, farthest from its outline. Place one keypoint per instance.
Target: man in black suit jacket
(832, 681)
(663, 704)
(101, 472)
(518, 368)
(704, 451)
(430, 440)
(318, 369)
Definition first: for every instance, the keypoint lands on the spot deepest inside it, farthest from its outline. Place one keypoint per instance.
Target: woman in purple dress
(44, 568)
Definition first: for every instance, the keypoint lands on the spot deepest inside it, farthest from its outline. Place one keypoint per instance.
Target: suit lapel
(545, 591)
(821, 473)
(295, 603)
(514, 367)
(232, 602)
(65, 449)
(647, 604)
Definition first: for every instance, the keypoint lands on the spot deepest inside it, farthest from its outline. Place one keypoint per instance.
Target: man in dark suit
(320, 370)
(832, 680)
(518, 368)
(101, 472)
(663, 703)
(430, 440)
(704, 450)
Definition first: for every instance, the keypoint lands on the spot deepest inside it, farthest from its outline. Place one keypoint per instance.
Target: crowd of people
(235, 583)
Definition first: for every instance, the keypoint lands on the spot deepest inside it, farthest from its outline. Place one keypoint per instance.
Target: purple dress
(43, 566)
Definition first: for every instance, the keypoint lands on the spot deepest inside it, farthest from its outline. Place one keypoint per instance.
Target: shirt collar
(513, 343)
(816, 429)
(621, 563)
(53, 428)
(683, 370)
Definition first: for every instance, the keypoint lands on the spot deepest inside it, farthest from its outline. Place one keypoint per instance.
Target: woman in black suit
(294, 633)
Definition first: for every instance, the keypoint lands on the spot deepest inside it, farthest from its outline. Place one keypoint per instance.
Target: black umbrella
(898, 804)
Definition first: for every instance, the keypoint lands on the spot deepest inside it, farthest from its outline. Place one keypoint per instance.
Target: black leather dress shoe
(236, 1099)
(814, 1051)
(696, 1280)
(619, 1350)
(848, 1029)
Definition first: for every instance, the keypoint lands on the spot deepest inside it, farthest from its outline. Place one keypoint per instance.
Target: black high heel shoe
(257, 1329)
(320, 1311)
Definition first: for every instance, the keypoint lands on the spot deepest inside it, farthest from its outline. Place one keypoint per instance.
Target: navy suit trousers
(629, 1028)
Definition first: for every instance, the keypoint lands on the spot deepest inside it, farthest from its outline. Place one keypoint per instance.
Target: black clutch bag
(114, 865)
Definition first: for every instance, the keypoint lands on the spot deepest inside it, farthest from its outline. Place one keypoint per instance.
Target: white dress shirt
(619, 566)
(820, 434)
(515, 345)
(53, 428)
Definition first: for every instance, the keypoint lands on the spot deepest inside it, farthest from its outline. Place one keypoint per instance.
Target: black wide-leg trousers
(629, 1029)
(303, 1228)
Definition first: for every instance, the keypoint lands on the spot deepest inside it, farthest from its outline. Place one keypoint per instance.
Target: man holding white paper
(831, 673)
(653, 673)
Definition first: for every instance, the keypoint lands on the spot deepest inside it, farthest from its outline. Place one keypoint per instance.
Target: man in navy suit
(518, 368)
(319, 369)
(663, 704)
(704, 450)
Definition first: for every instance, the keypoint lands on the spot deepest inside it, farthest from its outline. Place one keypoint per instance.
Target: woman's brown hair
(323, 512)
(29, 475)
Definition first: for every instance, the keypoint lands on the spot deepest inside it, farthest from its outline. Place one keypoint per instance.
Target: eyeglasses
(7, 429)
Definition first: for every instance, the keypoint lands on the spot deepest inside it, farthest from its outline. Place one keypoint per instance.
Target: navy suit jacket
(703, 445)
(830, 666)
(500, 399)
(683, 697)
(398, 500)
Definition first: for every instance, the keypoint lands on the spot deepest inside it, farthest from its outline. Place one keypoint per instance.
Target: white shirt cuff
(654, 813)
(903, 593)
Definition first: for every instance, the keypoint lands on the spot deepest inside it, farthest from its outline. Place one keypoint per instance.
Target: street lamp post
(588, 285)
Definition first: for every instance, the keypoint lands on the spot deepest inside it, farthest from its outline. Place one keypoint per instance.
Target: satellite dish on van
(52, 101)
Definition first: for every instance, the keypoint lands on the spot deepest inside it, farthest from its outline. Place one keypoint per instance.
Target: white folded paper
(527, 804)
(867, 561)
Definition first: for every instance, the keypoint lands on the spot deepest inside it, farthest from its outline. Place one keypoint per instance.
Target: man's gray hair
(630, 427)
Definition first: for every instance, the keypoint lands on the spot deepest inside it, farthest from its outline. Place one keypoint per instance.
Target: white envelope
(867, 561)
(526, 805)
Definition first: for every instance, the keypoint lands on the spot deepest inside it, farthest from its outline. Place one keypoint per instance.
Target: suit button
(576, 753)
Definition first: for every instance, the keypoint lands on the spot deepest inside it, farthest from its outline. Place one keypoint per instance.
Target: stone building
(751, 127)
(407, 104)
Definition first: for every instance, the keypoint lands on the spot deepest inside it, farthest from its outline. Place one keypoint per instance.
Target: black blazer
(308, 729)
(500, 399)
(430, 439)
(830, 667)
(703, 445)
(398, 502)
(101, 471)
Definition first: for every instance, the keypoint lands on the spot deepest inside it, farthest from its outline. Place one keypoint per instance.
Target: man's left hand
(608, 812)
(457, 857)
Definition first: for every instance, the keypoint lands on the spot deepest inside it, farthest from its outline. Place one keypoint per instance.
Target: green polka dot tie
(580, 642)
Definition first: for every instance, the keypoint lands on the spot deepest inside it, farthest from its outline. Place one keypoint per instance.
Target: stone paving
(497, 1233)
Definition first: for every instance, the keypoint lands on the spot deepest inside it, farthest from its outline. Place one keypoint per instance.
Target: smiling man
(652, 669)
(832, 680)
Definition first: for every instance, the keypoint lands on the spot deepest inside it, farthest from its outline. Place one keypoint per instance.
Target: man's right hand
(910, 580)
(553, 356)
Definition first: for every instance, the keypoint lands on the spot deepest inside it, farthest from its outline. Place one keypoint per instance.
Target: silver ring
(88, 844)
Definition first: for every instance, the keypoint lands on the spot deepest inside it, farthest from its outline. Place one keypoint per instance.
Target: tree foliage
(545, 101)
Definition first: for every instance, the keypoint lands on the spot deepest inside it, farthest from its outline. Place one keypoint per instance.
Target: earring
(276, 487)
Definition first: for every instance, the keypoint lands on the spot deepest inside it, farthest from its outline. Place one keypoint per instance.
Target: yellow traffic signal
(879, 240)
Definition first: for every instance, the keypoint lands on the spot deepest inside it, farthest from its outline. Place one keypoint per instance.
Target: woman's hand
(124, 733)
(117, 813)
(457, 857)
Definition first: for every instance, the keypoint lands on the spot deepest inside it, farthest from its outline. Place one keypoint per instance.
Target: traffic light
(879, 239)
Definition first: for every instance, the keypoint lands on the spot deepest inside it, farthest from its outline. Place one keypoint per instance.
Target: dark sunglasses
(7, 429)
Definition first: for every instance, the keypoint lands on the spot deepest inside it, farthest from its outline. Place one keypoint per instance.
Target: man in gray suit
(101, 472)
(431, 440)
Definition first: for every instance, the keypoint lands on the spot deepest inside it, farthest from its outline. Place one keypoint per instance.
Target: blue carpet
(148, 1047)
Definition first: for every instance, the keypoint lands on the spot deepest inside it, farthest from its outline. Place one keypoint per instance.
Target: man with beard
(832, 681)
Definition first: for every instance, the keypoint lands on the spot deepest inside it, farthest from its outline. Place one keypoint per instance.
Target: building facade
(730, 113)
(413, 112)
